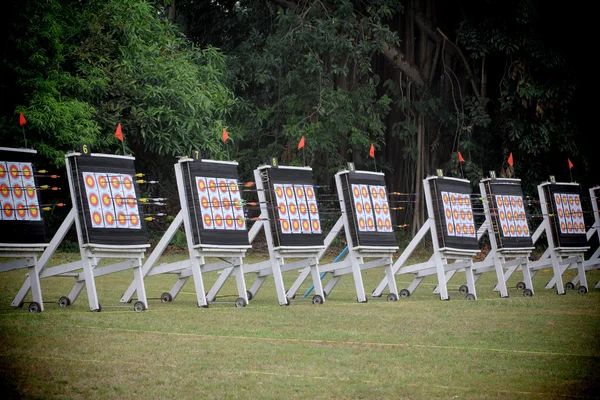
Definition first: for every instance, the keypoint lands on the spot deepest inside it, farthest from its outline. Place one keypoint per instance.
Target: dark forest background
(420, 79)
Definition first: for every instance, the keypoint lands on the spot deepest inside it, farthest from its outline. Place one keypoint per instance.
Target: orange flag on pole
(22, 120)
(119, 132)
(460, 158)
(301, 143)
(225, 135)
(510, 160)
(372, 151)
(571, 165)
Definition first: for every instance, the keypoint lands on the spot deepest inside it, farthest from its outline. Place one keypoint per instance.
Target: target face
(297, 210)
(221, 205)
(111, 200)
(458, 214)
(18, 193)
(570, 213)
(371, 206)
(511, 210)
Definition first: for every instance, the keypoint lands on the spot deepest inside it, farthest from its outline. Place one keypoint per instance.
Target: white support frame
(560, 259)
(195, 266)
(438, 262)
(25, 256)
(91, 255)
(496, 259)
(594, 261)
(354, 262)
(276, 265)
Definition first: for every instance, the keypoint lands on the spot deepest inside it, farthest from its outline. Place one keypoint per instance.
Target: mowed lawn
(546, 346)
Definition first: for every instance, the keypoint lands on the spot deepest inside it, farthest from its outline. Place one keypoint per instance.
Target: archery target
(18, 193)
(458, 214)
(221, 205)
(511, 212)
(111, 200)
(297, 208)
(371, 208)
(570, 213)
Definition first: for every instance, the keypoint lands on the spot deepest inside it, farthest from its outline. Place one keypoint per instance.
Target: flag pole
(24, 137)
(123, 143)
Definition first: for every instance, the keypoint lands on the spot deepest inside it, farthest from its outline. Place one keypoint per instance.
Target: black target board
(21, 218)
(565, 214)
(292, 206)
(508, 214)
(453, 213)
(214, 203)
(367, 208)
(106, 194)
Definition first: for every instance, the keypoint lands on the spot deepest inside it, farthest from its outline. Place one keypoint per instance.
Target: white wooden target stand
(565, 231)
(509, 234)
(213, 217)
(367, 223)
(109, 225)
(292, 225)
(454, 237)
(22, 229)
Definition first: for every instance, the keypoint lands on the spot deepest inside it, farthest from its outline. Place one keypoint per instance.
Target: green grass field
(546, 346)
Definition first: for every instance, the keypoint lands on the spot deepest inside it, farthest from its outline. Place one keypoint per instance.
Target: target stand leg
(139, 281)
(316, 277)
(581, 273)
(501, 285)
(257, 284)
(304, 273)
(76, 290)
(279, 287)
(358, 281)
(199, 283)
(558, 271)
(331, 284)
(238, 271)
(391, 278)
(89, 263)
(471, 280)
(443, 289)
(36, 289)
(449, 275)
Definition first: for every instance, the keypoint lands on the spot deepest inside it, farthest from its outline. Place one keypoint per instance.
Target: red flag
(119, 133)
(225, 135)
(460, 157)
(570, 164)
(22, 120)
(301, 143)
(510, 160)
(372, 151)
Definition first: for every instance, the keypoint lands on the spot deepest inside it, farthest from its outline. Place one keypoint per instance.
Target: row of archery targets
(110, 217)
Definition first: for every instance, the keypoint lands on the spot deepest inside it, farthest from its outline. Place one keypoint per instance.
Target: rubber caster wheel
(569, 286)
(527, 293)
(166, 297)
(249, 295)
(99, 309)
(373, 293)
(240, 302)
(34, 308)
(139, 306)
(404, 293)
(521, 285)
(464, 289)
(392, 297)
(64, 301)
(470, 296)
(317, 299)
(582, 290)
